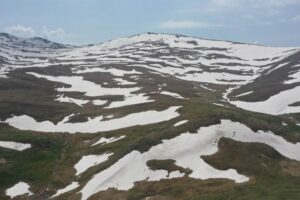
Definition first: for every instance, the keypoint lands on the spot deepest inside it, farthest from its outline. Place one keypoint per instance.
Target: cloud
(182, 24)
(53, 33)
(263, 23)
(20, 30)
(23, 31)
(249, 17)
(197, 10)
(279, 3)
(255, 3)
(227, 3)
(296, 18)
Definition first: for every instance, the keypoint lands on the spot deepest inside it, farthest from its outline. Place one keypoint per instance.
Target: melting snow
(94, 125)
(89, 161)
(78, 102)
(186, 149)
(121, 81)
(181, 123)
(131, 100)
(14, 145)
(115, 72)
(78, 84)
(68, 188)
(294, 78)
(99, 102)
(108, 140)
(244, 94)
(172, 94)
(275, 105)
(20, 188)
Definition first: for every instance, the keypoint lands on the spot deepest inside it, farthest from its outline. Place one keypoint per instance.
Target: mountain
(151, 116)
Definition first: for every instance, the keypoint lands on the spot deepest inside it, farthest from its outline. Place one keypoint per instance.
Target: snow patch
(180, 123)
(133, 99)
(104, 140)
(68, 188)
(94, 125)
(244, 94)
(275, 105)
(99, 102)
(78, 102)
(172, 94)
(89, 161)
(14, 145)
(20, 188)
(113, 71)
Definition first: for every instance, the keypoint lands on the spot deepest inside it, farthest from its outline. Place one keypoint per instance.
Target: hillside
(151, 116)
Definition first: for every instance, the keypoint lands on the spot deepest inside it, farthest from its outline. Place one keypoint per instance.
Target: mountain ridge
(145, 33)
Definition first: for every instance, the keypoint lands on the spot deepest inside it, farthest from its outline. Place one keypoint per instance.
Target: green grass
(34, 165)
(50, 161)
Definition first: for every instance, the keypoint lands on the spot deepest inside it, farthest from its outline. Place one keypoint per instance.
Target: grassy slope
(49, 163)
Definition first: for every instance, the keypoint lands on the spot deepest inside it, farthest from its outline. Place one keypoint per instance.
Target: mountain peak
(33, 42)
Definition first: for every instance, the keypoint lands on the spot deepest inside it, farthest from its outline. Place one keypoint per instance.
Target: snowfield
(94, 125)
(192, 60)
(186, 149)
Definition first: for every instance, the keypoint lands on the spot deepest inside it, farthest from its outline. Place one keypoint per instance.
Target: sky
(265, 22)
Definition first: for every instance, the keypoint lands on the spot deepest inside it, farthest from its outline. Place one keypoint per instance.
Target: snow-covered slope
(191, 59)
(18, 52)
(131, 116)
(207, 62)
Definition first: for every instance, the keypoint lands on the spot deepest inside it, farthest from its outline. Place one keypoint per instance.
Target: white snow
(14, 145)
(223, 78)
(99, 102)
(131, 100)
(244, 94)
(94, 125)
(186, 149)
(134, 51)
(115, 72)
(104, 140)
(121, 81)
(78, 84)
(181, 123)
(78, 102)
(68, 188)
(275, 105)
(284, 124)
(277, 67)
(89, 161)
(294, 78)
(20, 188)
(172, 94)
(175, 174)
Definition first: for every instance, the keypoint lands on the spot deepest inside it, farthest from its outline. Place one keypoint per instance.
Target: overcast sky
(268, 22)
